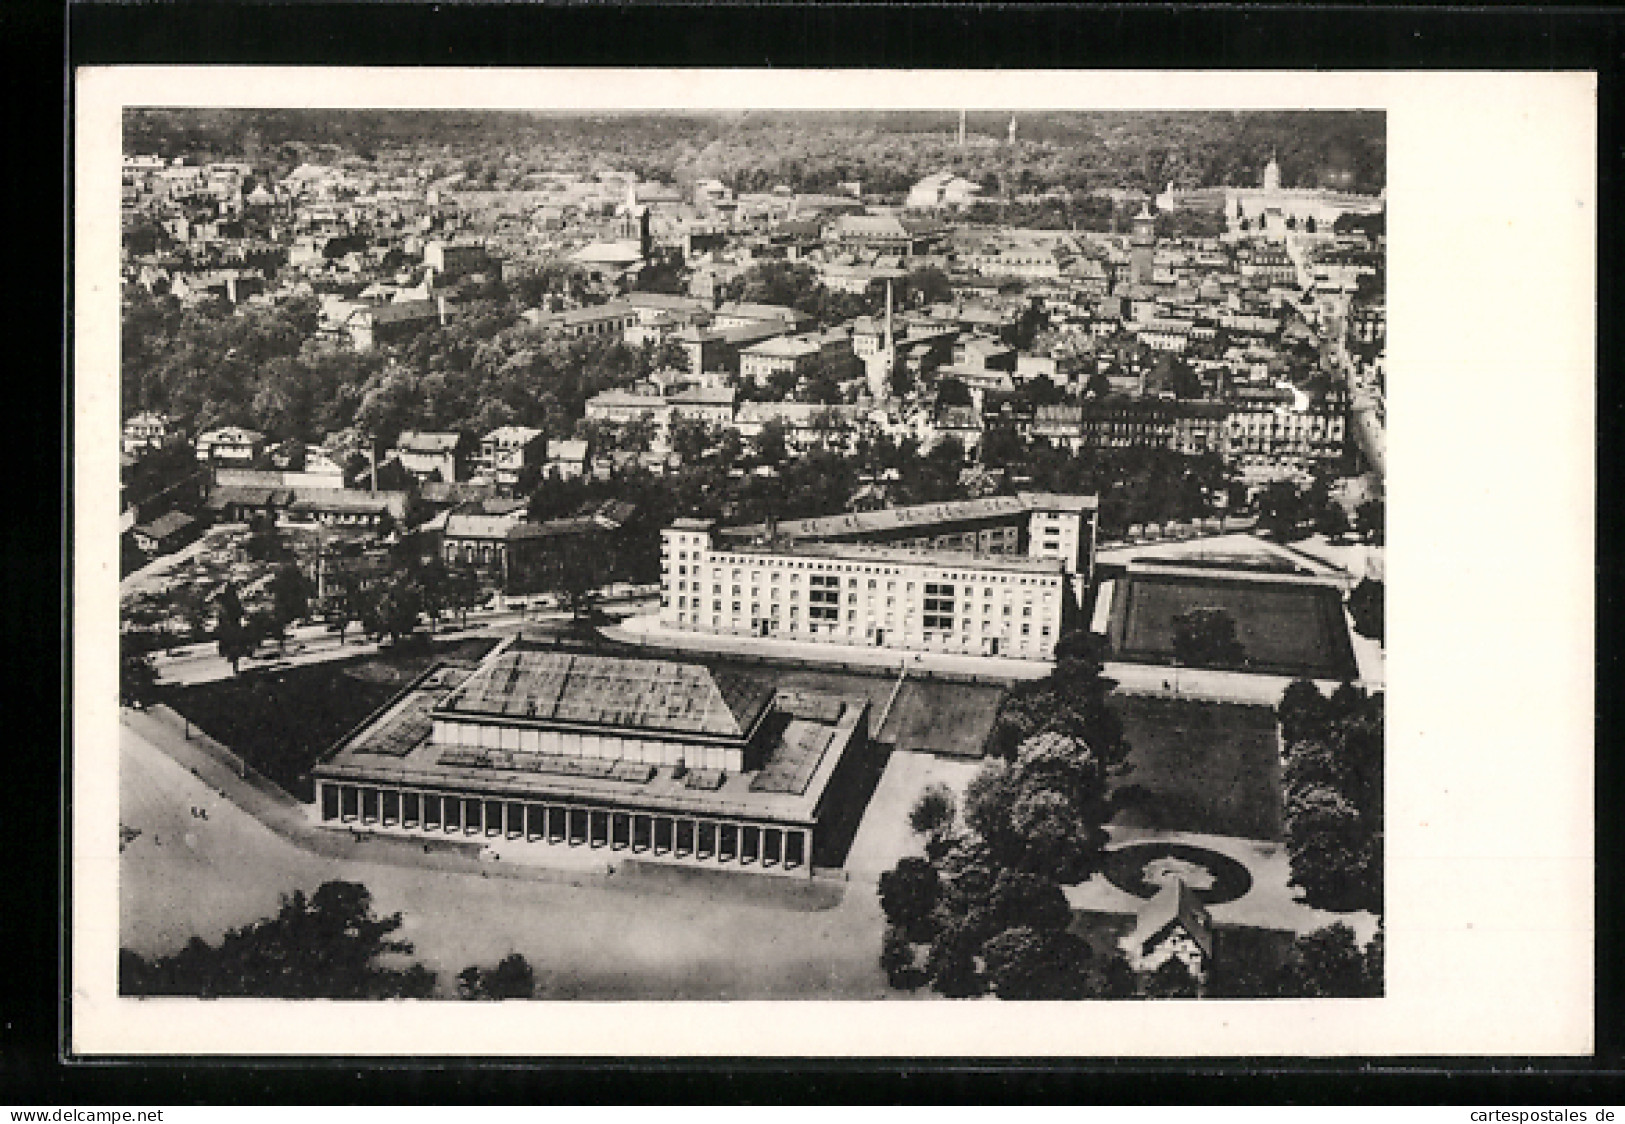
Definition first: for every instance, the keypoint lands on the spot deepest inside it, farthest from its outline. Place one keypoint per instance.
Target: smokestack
(440, 307)
(961, 128)
(890, 345)
(372, 457)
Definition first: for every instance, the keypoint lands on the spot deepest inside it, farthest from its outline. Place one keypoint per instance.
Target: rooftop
(651, 695)
(870, 552)
(920, 515)
(397, 747)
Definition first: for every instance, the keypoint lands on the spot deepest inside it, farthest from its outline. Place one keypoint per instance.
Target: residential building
(148, 430)
(598, 321)
(859, 593)
(566, 459)
(377, 325)
(166, 533)
(508, 450)
(1036, 524)
(230, 444)
(1174, 925)
(742, 314)
(434, 456)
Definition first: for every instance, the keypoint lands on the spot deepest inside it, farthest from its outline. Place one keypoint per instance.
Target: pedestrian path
(225, 774)
(1270, 903)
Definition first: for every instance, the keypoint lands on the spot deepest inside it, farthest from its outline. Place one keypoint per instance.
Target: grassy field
(1200, 766)
(937, 717)
(930, 716)
(1283, 629)
(281, 722)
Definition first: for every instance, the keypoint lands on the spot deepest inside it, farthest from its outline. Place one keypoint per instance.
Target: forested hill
(808, 151)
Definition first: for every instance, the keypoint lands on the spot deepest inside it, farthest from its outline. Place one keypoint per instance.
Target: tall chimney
(440, 307)
(961, 128)
(372, 457)
(890, 343)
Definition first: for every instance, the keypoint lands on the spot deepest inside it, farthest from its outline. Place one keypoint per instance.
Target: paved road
(641, 933)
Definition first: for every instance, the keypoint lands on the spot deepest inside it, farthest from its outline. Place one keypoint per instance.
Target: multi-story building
(1037, 524)
(859, 593)
(429, 456)
(230, 444)
(506, 451)
(148, 431)
(600, 321)
(1261, 432)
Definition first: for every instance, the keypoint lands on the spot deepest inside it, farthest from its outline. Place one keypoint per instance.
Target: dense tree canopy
(327, 946)
(1332, 775)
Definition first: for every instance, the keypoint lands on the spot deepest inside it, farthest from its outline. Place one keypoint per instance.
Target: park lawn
(936, 716)
(283, 722)
(1284, 629)
(930, 715)
(1199, 766)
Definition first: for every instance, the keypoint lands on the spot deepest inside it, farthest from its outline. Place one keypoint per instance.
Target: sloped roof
(165, 525)
(470, 526)
(1174, 904)
(420, 442)
(653, 695)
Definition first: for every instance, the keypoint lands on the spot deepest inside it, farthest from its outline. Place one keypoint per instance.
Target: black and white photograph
(573, 554)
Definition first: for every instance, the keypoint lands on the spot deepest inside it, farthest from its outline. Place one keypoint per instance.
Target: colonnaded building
(989, 577)
(670, 762)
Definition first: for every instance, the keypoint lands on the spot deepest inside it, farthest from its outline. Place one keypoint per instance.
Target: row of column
(674, 837)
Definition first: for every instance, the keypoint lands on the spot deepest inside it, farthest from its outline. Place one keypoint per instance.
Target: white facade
(870, 596)
(645, 750)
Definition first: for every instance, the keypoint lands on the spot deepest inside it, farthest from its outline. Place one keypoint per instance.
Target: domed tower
(1143, 247)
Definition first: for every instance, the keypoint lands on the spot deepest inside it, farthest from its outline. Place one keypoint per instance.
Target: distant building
(566, 459)
(345, 508)
(434, 456)
(375, 325)
(507, 451)
(230, 444)
(165, 533)
(944, 190)
(146, 431)
(452, 261)
(600, 321)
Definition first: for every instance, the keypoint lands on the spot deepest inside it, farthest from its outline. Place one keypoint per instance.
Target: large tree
(512, 978)
(908, 895)
(328, 946)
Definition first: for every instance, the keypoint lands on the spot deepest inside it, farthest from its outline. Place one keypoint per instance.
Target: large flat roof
(656, 696)
(395, 748)
(872, 552)
(919, 516)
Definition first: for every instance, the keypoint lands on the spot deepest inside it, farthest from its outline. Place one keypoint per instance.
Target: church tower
(1272, 175)
(1143, 248)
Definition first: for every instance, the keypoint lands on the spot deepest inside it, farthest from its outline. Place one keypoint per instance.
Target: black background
(47, 41)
